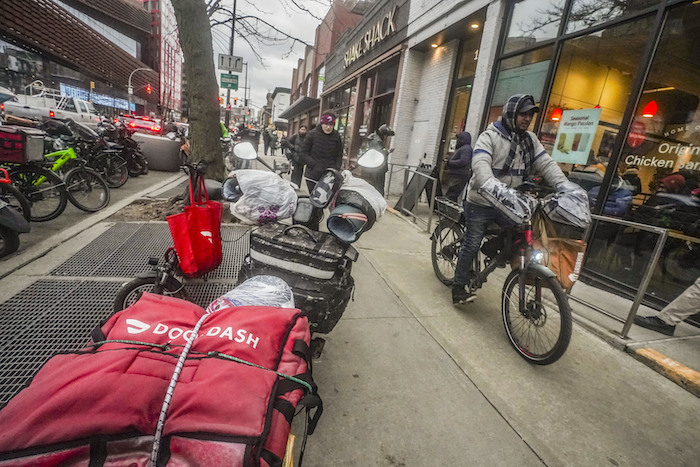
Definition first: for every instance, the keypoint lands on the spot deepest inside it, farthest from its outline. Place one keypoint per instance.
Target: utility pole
(245, 93)
(230, 52)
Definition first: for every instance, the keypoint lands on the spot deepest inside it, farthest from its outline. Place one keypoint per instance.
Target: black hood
(463, 138)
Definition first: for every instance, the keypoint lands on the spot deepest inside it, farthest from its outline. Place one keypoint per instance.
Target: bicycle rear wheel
(15, 199)
(444, 251)
(86, 189)
(541, 330)
(43, 189)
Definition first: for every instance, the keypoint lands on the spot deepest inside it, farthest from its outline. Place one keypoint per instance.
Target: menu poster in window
(575, 136)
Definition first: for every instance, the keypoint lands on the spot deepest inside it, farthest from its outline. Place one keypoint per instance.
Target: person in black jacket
(459, 167)
(322, 149)
(294, 144)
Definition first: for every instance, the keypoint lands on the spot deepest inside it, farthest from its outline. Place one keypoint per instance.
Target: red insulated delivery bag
(197, 234)
(242, 379)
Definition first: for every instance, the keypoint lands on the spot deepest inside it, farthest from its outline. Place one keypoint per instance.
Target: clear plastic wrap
(364, 189)
(266, 197)
(517, 206)
(256, 291)
(569, 205)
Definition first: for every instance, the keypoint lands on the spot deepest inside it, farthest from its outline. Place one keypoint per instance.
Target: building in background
(92, 49)
(280, 103)
(309, 76)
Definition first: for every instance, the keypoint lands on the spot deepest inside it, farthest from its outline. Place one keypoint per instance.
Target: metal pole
(230, 52)
(130, 90)
(245, 95)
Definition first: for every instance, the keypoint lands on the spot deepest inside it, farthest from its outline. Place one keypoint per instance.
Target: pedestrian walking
(266, 140)
(273, 142)
(294, 143)
(686, 304)
(459, 166)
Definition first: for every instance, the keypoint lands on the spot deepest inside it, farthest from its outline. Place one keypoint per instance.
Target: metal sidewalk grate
(124, 249)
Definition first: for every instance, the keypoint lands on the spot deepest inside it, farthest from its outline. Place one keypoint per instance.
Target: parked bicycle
(535, 310)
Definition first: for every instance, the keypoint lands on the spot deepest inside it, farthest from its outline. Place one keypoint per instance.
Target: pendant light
(556, 114)
(650, 109)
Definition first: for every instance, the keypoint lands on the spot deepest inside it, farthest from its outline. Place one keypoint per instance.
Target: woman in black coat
(322, 149)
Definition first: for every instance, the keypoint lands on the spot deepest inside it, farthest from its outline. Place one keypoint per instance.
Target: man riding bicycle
(505, 151)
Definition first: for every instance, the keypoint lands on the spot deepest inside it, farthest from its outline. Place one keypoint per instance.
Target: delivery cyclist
(506, 151)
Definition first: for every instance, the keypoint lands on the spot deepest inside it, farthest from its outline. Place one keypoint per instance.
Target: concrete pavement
(408, 379)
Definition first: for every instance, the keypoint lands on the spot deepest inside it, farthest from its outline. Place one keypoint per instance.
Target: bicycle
(12, 196)
(534, 307)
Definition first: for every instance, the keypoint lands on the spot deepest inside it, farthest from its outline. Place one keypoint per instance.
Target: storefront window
(523, 74)
(660, 163)
(533, 21)
(588, 13)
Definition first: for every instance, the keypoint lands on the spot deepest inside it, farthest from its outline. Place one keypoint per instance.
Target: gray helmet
(384, 131)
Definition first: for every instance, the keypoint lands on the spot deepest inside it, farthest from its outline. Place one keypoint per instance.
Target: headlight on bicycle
(538, 256)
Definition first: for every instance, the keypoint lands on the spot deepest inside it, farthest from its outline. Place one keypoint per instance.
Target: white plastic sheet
(256, 291)
(517, 206)
(266, 197)
(569, 205)
(364, 189)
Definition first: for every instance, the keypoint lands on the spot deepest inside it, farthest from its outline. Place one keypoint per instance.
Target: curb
(685, 377)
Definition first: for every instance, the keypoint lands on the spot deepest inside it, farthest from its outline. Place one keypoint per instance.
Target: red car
(142, 124)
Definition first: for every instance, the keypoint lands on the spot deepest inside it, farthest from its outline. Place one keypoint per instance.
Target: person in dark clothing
(459, 167)
(266, 139)
(294, 144)
(322, 149)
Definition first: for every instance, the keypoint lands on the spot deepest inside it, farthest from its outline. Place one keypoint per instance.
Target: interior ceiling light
(433, 46)
(556, 114)
(474, 25)
(650, 109)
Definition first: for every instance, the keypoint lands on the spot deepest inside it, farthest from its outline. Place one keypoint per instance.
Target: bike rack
(663, 234)
(431, 202)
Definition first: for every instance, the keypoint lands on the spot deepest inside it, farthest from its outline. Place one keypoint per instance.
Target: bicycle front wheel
(540, 328)
(113, 169)
(444, 251)
(86, 189)
(43, 189)
(132, 291)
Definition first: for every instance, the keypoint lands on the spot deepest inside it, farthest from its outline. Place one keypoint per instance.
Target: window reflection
(533, 21)
(588, 13)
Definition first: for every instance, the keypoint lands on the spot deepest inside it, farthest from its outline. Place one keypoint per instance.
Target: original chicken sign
(374, 35)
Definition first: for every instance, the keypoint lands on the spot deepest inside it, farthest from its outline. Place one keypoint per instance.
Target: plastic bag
(266, 197)
(569, 205)
(364, 189)
(517, 206)
(256, 291)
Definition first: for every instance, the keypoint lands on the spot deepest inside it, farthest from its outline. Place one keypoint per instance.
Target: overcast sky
(276, 69)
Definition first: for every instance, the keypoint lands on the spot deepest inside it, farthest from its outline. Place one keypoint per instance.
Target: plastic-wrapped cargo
(256, 291)
(517, 206)
(569, 205)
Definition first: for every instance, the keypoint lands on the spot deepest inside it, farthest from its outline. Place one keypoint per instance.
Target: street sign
(229, 81)
(231, 63)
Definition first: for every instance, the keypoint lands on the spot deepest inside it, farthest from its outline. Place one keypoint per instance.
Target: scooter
(12, 224)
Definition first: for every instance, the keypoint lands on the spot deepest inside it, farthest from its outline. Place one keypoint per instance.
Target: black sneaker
(655, 324)
(461, 296)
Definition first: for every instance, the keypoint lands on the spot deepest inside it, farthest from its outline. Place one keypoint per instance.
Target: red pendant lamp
(650, 109)
(556, 114)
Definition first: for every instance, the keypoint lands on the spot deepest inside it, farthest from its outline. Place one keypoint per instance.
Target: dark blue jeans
(478, 218)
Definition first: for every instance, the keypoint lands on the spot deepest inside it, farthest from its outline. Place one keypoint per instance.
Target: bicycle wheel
(444, 251)
(43, 189)
(86, 189)
(132, 291)
(15, 199)
(113, 169)
(541, 330)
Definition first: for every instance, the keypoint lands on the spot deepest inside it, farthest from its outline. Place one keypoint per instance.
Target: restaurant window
(660, 164)
(342, 104)
(522, 74)
(533, 21)
(588, 13)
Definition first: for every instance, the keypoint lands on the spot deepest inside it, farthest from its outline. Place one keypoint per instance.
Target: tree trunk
(202, 86)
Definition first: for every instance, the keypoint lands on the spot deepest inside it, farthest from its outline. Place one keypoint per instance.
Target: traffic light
(221, 100)
(148, 88)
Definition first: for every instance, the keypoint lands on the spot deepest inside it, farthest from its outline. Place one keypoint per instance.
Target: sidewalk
(408, 379)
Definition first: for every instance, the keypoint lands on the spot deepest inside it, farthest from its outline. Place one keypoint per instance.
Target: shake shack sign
(372, 36)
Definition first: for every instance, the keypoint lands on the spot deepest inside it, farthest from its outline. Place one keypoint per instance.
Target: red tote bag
(197, 234)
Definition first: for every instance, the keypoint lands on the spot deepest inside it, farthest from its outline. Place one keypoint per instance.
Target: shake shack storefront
(620, 97)
(362, 74)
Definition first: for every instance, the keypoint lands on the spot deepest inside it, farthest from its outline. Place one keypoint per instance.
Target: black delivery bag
(316, 266)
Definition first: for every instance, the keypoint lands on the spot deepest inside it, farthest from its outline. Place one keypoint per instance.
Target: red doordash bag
(245, 376)
(197, 233)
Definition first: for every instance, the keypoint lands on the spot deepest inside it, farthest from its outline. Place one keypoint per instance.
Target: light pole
(130, 90)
